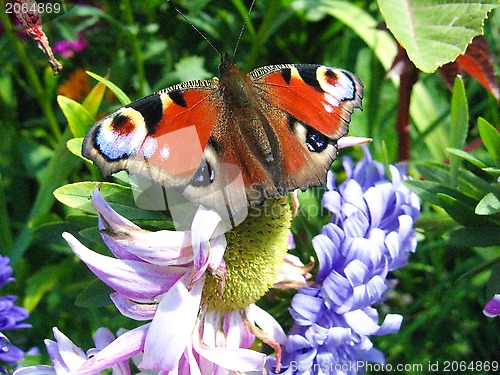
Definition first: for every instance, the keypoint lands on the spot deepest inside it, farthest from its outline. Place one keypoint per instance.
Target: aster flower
(371, 234)
(11, 317)
(196, 287)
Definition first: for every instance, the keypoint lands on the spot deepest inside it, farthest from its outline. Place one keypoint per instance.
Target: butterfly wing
(309, 108)
(165, 142)
(232, 142)
(149, 137)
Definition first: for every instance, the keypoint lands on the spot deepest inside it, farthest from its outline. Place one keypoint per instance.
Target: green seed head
(254, 254)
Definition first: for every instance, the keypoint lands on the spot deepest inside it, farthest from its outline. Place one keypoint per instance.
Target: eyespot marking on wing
(315, 141)
(337, 85)
(121, 135)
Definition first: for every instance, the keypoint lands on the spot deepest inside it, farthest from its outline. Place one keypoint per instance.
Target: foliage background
(146, 46)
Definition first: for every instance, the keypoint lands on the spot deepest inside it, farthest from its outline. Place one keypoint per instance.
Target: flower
(31, 19)
(370, 234)
(492, 308)
(197, 287)
(67, 48)
(11, 317)
(77, 86)
(67, 358)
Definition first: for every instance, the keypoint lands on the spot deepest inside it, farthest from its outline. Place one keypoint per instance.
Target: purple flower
(11, 317)
(67, 358)
(160, 277)
(68, 48)
(492, 308)
(371, 234)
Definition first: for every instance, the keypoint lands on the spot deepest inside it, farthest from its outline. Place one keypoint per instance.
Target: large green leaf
(435, 32)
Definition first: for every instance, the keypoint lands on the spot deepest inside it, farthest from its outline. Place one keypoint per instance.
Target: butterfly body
(233, 141)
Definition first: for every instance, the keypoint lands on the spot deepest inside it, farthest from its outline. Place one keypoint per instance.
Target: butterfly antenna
(243, 28)
(196, 29)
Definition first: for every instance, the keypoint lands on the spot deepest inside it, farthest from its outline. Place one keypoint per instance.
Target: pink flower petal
(122, 237)
(133, 310)
(35, 370)
(238, 360)
(492, 308)
(266, 322)
(172, 327)
(121, 349)
(103, 337)
(137, 280)
(203, 229)
(161, 248)
(352, 141)
(65, 356)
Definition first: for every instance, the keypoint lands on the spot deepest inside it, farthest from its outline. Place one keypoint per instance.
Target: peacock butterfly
(233, 141)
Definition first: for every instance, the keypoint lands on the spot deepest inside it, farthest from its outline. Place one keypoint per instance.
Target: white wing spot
(328, 107)
(165, 152)
(149, 147)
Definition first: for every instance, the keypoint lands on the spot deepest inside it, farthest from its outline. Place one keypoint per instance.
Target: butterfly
(233, 141)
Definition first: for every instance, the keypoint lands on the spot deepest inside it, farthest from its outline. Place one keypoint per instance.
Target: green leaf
(78, 195)
(79, 119)
(122, 97)
(42, 282)
(95, 295)
(459, 125)
(466, 156)
(75, 147)
(191, 68)
(435, 32)
(475, 236)
(120, 198)
(35, 157)
(82, 220)
(469, 184)
(91, 234)
(495, 172)
(491, 139)
(51, 233)
(460, 212)
(429, 191)
(489, 205)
